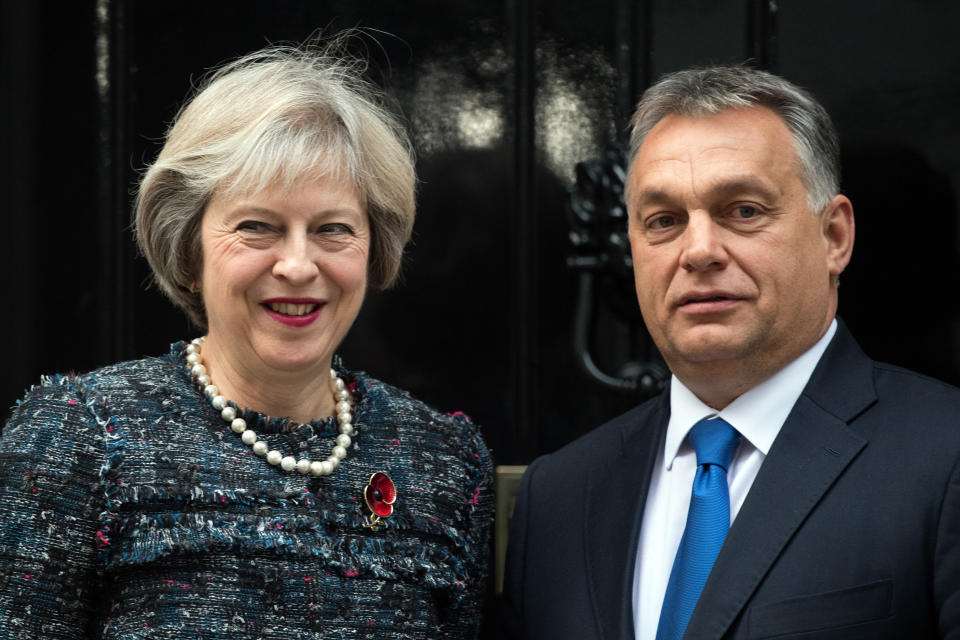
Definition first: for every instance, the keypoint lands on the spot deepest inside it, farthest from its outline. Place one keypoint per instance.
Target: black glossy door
(503, 98)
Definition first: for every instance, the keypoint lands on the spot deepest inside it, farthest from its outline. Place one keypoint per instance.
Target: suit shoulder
(129, 374)
(604, 441)
(395, 414)
(889, 375)
(910, 387)
(913, 411)
(401, 405)
(53, 408)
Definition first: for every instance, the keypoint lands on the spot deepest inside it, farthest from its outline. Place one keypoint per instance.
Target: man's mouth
(290, 309)
(710, 299)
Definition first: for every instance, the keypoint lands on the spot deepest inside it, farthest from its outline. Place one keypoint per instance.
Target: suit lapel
(812, 450)
(615, 499)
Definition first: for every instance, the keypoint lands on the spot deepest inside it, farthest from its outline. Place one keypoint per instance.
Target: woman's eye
(252, 225)
(335, 227)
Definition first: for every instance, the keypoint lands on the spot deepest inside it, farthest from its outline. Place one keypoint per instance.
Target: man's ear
(837, 227)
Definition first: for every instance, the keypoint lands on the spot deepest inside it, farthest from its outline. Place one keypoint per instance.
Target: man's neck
(718, 384)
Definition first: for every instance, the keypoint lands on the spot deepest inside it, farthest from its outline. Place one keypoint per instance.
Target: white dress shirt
(758, 415)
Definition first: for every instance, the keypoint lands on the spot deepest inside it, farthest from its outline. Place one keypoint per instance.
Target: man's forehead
(733, 121)
(734, 145)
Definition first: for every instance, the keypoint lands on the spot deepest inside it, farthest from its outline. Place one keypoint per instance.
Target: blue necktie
(708, 521)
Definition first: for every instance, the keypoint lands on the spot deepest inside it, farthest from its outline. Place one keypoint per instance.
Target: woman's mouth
(295, 313)
(289, 309)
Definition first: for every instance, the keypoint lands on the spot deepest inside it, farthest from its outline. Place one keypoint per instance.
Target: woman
(246, 484)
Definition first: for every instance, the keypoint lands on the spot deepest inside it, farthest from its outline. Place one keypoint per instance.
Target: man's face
(733, 270)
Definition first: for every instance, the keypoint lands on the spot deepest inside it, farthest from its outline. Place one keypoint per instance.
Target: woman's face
(284, 274)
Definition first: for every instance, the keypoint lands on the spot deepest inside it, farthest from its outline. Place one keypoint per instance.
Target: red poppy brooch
(379, 494)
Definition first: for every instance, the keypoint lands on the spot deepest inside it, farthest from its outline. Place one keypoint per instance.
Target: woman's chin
(296, 361)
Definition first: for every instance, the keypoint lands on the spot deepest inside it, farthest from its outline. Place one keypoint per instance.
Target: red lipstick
(290, 311)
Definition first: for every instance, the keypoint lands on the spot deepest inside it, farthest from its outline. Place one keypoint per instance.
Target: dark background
(502, 98)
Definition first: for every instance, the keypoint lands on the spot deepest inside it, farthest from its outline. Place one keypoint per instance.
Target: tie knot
(714, 440)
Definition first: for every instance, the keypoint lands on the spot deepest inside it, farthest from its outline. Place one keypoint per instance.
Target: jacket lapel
(813, 449)
(615, 498)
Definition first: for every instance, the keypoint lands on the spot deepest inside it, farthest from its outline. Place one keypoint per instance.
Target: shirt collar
(758, 414)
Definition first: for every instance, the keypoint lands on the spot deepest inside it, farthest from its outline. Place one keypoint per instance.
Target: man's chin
(708, 347)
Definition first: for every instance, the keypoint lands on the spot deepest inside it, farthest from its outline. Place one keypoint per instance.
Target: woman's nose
(295, 263)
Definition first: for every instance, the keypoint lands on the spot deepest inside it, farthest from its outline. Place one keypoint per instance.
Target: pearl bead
(342, 399)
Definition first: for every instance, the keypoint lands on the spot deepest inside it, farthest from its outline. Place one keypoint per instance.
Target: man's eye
(745, 212)
(662, 222)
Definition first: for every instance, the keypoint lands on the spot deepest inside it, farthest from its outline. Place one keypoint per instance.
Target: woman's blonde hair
(273, 118)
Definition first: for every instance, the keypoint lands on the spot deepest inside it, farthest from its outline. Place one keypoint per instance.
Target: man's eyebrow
(741, 184)
(748, 184)
(647, 197)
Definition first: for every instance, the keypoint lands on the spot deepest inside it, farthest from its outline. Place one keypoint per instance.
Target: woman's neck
(303, 396)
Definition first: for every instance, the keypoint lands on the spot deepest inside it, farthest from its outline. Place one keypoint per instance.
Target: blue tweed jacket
(128, 509)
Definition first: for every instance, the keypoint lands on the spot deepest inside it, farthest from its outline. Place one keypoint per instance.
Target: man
(838, 478)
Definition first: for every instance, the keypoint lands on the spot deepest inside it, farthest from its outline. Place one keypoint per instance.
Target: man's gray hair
(702, 92)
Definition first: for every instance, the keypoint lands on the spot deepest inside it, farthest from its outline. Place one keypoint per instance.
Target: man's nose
(295, 262)
(703, 247)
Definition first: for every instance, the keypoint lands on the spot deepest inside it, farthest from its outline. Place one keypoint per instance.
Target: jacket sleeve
(463, 621)
(51, 496)
(510, 608)
(946, 566)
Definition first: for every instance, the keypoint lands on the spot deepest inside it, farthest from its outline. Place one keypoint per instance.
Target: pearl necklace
(239, 426)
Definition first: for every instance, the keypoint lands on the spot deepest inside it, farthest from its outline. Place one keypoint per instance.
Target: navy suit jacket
(850, 530)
